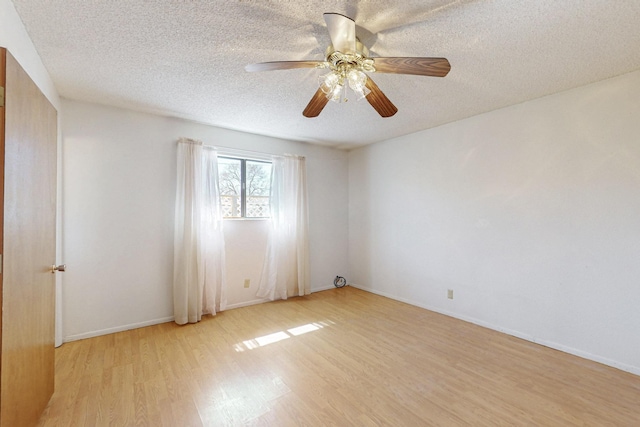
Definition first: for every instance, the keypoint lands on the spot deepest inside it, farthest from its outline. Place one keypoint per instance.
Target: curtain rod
(239, 151)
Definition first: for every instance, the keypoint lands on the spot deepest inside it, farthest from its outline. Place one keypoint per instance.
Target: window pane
(229, 173)
(258, 188)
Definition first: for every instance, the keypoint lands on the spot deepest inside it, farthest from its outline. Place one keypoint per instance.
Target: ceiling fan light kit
(349, 68)
(348, 62)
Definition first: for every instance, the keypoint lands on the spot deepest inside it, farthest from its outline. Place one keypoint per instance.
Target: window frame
(243, 185)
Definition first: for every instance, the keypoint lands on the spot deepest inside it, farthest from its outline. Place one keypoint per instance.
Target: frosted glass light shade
(328, 82)
(358, 83)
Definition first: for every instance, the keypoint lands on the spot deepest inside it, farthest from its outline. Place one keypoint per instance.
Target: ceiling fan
(348, 62)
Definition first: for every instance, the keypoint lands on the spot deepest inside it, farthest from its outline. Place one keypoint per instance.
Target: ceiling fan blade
(283, 65)
(435, 67)
(316, 104)
(342, 31)
(379, 100)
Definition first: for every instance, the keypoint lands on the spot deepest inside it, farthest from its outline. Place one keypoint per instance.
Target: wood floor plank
(338, 357)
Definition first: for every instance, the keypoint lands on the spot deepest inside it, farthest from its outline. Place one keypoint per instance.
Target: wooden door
(28, 226)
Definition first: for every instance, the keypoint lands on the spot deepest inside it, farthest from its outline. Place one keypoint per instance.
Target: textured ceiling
(187, 58)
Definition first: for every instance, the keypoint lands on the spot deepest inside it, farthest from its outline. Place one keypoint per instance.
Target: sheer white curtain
(199, 276)
(286, 265)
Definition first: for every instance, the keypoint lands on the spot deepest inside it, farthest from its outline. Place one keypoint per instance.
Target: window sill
(246, 219)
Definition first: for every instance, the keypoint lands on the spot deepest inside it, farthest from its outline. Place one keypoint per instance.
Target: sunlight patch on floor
(279, 336)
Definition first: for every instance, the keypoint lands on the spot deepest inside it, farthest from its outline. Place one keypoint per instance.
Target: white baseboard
(246, 303)
(107, 331)
(585, 355)
(324, 288)
(263, 300)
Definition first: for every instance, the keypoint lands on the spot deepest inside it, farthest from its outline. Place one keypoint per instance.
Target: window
(244, 187)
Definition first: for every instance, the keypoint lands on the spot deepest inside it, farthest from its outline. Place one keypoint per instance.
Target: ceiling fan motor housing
(359, 59)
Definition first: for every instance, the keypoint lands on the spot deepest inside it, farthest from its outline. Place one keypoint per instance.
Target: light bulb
(335, 94)
(328, 83)
(357, 80)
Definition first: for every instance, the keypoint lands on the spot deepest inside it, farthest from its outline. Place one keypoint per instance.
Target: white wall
(119, 190)
(531, 214)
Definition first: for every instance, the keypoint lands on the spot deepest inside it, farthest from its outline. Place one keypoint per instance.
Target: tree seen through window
(244, 187)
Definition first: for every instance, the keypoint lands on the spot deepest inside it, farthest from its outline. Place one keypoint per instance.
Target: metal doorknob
(61, 267)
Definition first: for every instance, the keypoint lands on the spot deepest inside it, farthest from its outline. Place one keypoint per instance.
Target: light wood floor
(339, 357)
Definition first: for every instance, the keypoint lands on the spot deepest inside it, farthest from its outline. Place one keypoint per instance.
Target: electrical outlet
(450, 293)
(247, 283)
